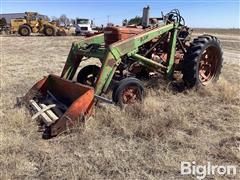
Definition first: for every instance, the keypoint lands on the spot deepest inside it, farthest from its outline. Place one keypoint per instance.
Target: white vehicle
(83, 26)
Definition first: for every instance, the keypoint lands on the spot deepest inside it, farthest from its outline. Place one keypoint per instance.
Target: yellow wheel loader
(31, 24)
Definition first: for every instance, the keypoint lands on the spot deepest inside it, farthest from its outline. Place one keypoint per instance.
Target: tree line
(63, 20)
(137, 20)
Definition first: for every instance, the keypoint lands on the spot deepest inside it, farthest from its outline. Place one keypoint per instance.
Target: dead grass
(231, 31)
(143, 142)
(229, 38)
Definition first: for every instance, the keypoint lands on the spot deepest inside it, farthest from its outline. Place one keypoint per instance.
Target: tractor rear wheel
(49, 31)
(24, 30)
(203, 61)
(128, 91)
(88, 75)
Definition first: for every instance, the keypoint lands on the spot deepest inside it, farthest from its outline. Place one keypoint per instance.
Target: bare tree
(63, 19)
(54, 18)
(72, 21)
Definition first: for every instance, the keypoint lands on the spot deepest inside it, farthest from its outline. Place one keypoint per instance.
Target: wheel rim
(88, 75)
(24, 31)
(49, 31)
(208, 65)
(91, 79)
(131, 95)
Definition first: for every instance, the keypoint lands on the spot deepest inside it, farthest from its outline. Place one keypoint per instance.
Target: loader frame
(127, 56)
(111, 56)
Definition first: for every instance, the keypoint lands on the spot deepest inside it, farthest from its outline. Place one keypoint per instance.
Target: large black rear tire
(203, 61)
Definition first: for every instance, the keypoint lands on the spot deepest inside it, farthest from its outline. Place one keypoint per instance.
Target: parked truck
(83, 26)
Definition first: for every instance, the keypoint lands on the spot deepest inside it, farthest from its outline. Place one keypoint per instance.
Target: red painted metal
(114, 34)
(131, 95)
(77, 97)
(208, 64)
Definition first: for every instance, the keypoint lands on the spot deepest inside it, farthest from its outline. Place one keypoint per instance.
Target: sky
(197, 13)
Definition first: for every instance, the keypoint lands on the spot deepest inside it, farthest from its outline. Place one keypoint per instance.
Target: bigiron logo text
(202, 171)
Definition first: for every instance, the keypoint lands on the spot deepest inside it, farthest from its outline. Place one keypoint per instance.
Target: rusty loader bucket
(59, 104)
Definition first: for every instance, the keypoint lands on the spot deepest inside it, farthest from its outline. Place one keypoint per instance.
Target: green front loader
(127, 57)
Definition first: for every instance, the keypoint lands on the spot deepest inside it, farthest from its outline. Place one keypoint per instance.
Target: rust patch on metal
(111, 63)
(131, 95)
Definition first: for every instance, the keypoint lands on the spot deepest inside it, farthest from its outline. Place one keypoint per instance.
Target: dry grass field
(143, 142)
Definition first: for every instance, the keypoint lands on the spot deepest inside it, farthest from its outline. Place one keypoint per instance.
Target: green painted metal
(108, 69)
(125, 47)
(98, 39)
(133, 43)
(92, 52)
(147, 61)
(170, 68)
(112, 55)
(74, 57)
(99, 53)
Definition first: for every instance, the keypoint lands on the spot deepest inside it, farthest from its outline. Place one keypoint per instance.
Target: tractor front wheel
(88, 75)
(128, 91)
(24, 30)
(203, 61)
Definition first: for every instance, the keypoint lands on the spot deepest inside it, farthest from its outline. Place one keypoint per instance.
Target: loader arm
(111, 56)
(74, 57)
(130, 47)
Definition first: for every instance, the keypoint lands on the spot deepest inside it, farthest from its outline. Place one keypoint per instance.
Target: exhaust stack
(145, 17)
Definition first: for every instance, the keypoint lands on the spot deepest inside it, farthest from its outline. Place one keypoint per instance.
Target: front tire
(24, 30)
(203, 61)
(128, 91)
(49, 31)
(88, 75)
